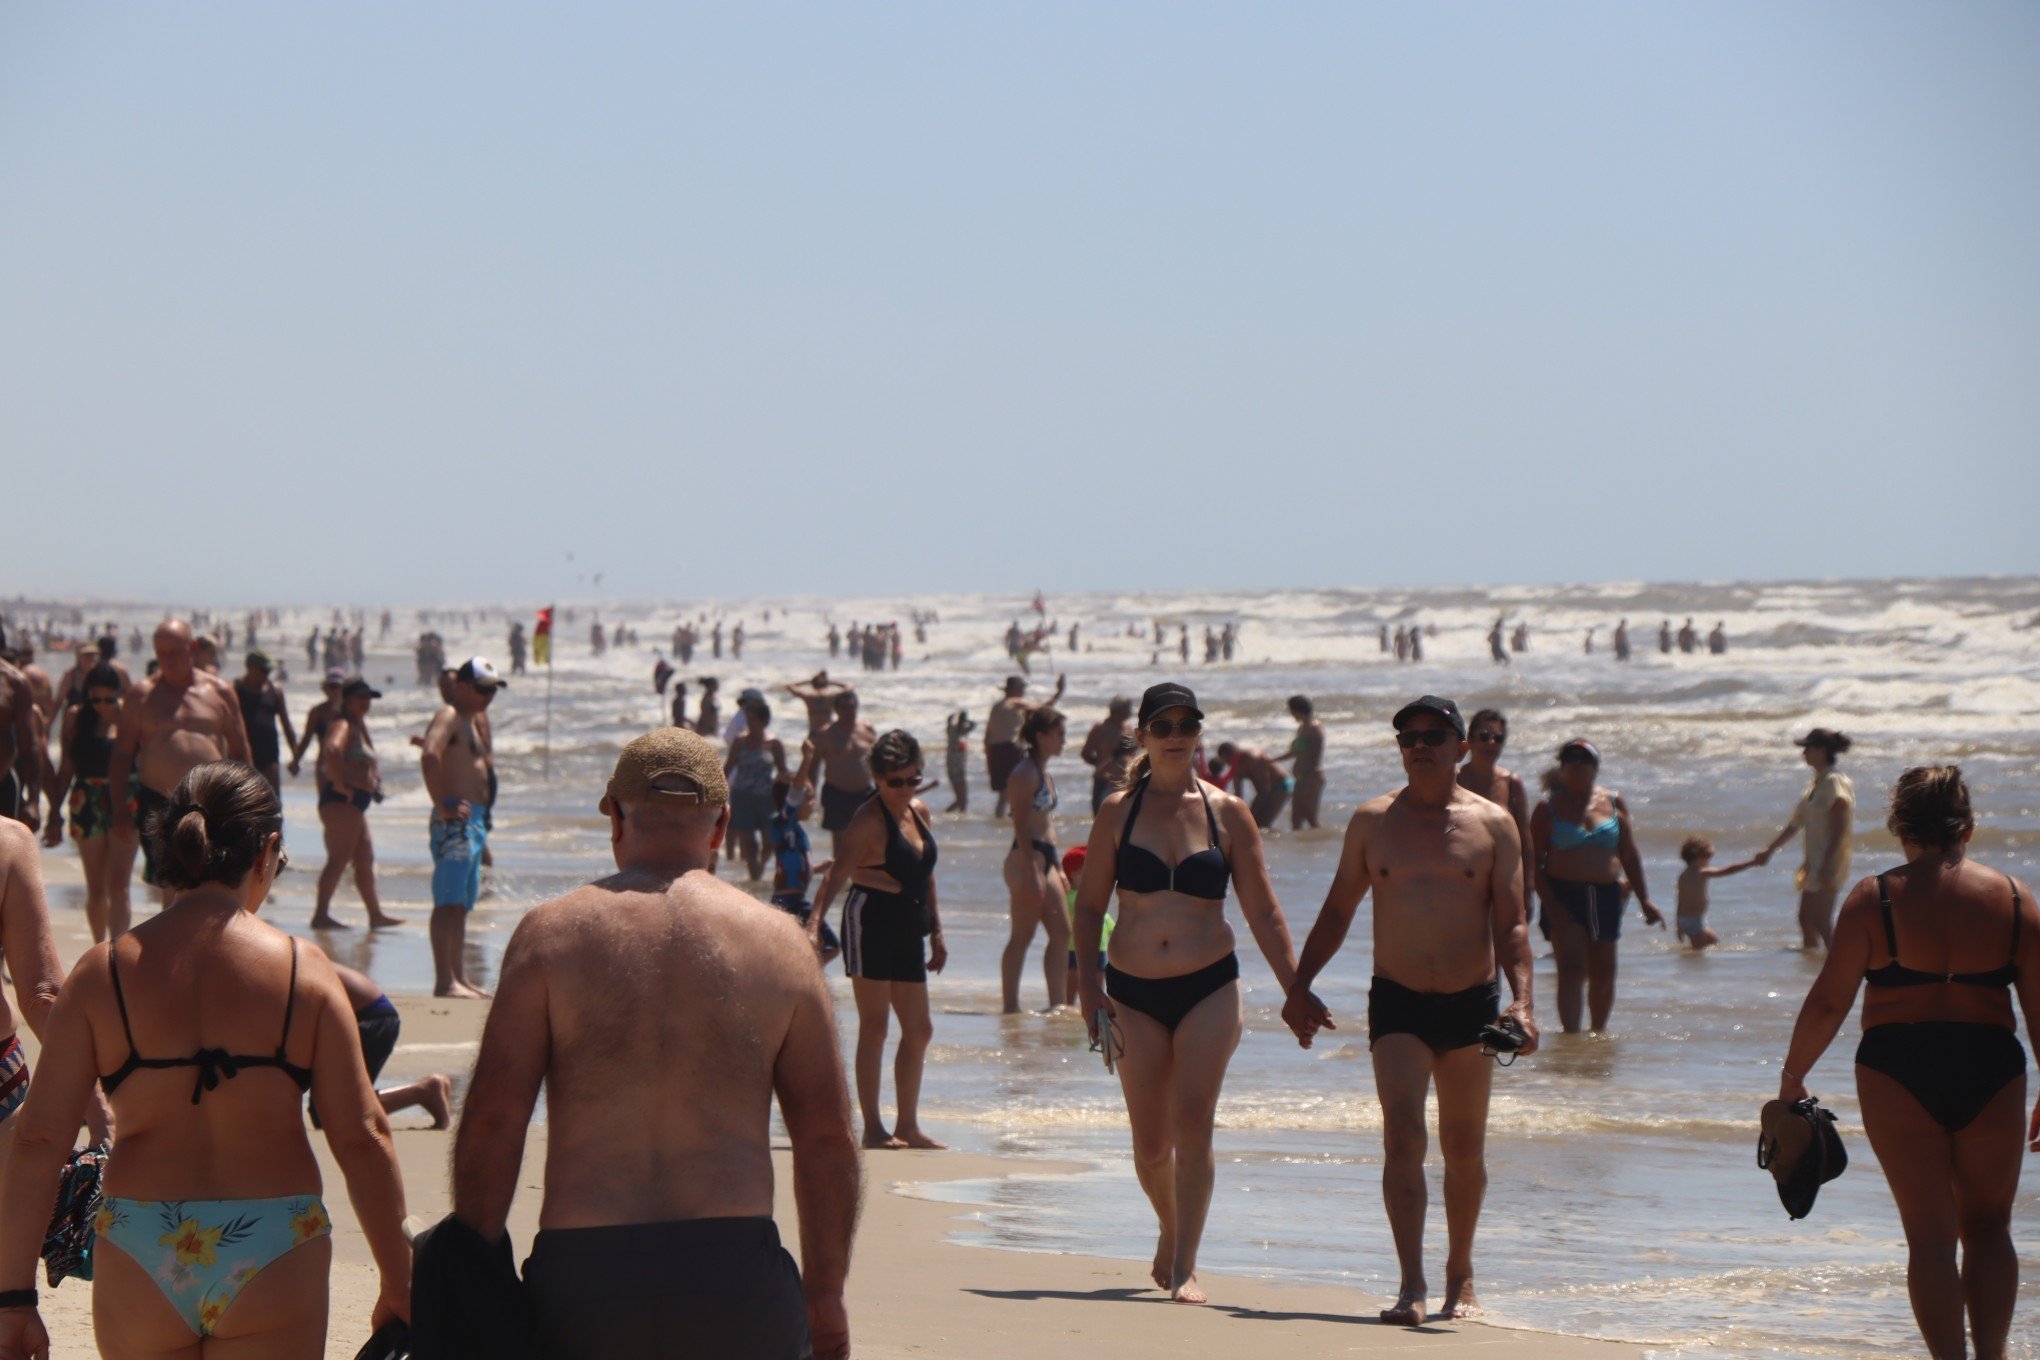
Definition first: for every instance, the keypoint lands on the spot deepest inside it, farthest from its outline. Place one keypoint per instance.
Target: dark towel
(466, 1300)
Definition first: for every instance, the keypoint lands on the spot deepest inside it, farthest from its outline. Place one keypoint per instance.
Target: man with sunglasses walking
(1446, 868)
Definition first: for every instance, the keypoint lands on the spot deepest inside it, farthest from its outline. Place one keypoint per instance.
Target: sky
(388, 302)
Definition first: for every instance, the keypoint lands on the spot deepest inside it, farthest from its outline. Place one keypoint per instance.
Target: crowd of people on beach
(670, 990)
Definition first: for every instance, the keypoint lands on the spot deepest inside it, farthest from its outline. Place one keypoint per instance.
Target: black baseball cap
(1431, 703)
(357, 687)
(1162, 698)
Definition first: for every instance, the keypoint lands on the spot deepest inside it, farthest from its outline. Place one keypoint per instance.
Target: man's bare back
(653, 997)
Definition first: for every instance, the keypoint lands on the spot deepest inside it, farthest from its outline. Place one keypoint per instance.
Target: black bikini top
(213, 1064)
(1896, 974)
(907, 867)
(1204, 874)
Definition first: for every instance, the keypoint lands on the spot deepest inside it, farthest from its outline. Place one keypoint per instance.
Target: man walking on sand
(662, 1012)
(459, 762)
(170, 724)
(1446, 868)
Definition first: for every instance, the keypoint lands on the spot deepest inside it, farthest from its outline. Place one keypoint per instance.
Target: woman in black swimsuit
(886, 854)
(350, 781)
(1940, 942)
(1170, 990)
(1034, 881)
(81, 789)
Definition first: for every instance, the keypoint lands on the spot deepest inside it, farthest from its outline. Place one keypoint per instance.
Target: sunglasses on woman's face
(104, 701)
(1486, 734)
(909, 780)
(1430, 736)
(1187, 727)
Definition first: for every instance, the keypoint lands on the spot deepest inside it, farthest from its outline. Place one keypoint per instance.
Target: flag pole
(548, 690)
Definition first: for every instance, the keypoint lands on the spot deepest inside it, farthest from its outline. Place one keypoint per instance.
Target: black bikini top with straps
(1204, 874)
(909, 868)
(213, 1064)
(1896, 974)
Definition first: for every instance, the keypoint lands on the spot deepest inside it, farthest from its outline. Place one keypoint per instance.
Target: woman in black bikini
(350, 780)
(886, 854)
(1940, 942)
(1167, 1006)
(1582, 842)
(81, 787)
(1034, 880)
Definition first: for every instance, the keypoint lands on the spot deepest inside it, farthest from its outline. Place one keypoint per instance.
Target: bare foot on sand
(914, 1138)
(439, 1100)
(460, 991)
(385, 922)
(1165, 1260)
(1408, 1310)
(329, 922)
(1460, 1300)
(879, 1140)
(1187, 1291)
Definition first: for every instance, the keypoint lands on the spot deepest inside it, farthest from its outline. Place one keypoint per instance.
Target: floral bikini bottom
(203, 1252)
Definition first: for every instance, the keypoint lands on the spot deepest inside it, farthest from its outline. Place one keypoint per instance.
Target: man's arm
(1510, 923)
(25, 936)
(488, 1147)
(31, 754)
(1302, 1011)
(814, 1101)
(1094, 746)
(283, 712)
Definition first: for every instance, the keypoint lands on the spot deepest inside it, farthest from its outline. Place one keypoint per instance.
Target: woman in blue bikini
(1166, 1007)
(1583, 843)
(205, 1027)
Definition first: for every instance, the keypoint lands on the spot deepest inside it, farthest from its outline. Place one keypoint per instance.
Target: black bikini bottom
(1167, 1000)
(1952, 1068)
(1443, 1020)
(1047, 853)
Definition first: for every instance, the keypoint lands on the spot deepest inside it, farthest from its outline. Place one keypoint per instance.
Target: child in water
(1073, 874)
(1698, 851)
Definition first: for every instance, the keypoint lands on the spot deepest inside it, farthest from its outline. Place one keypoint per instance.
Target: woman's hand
(53, 829)
(22, 1336)
(1092, 1000)
(1651, 915)
(938, 952)
(1306, 1015)
(1792, 1088)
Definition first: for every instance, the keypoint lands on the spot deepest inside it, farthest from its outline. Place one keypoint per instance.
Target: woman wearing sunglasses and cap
(1166, 1007)
(886, 854)
(350, 780)
(1583, 842)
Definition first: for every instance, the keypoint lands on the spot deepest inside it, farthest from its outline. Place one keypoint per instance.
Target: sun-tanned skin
(21, 747)
(456, 758)
(845, 746)
(819, 694)
(1483, 774)
(1446, 869)
(171, 723)
(663, 1012)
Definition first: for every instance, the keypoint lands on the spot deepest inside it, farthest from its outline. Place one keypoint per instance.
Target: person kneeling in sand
(662, 1011)
(1698, 852)
(1446, 869)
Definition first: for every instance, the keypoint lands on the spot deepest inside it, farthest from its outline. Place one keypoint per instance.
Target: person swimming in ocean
(1445, 865)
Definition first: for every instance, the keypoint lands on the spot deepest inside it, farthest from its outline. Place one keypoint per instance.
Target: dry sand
(917, 1287)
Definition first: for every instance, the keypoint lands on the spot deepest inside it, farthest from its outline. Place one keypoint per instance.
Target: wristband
(18, 1298)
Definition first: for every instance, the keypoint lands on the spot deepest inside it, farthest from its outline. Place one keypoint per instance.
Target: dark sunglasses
(112, 700)
(902, 781)
(1431, 736)
(1486, 734)
(1188, 727)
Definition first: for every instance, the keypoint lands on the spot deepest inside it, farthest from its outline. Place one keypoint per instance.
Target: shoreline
(920, 1283)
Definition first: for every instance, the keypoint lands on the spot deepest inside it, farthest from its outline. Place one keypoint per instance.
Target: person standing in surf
(1486, 735)
(1166, 1007)
(1446, 870)
(1825, 813)
(1033, 869)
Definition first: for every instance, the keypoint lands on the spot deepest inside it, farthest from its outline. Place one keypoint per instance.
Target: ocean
(1624, 1200)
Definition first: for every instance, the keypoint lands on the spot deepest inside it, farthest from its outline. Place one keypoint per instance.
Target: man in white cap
(459, 765)
(663, 1012)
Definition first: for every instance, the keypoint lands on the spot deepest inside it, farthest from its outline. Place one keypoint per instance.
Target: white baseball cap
(478, 671)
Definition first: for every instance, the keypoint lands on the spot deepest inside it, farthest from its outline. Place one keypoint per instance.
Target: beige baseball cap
(668, 765)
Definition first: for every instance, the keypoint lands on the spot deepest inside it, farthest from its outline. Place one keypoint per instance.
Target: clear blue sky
(402, 301)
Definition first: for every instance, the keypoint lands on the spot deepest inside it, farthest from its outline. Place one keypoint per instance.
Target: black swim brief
(1443, 1020)
(840, 805)
(694, 1289)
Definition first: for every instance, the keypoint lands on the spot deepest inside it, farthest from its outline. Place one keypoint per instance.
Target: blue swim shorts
(457, 861)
